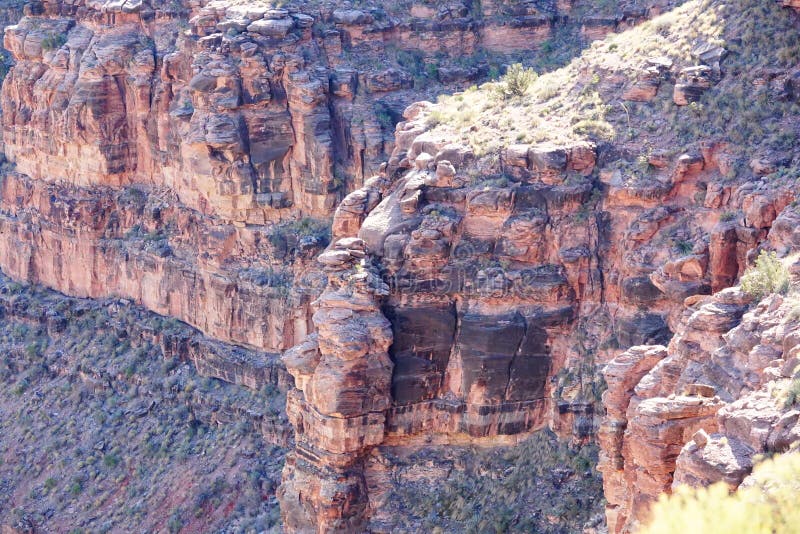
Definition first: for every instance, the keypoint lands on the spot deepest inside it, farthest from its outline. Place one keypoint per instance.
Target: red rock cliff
(191, 156)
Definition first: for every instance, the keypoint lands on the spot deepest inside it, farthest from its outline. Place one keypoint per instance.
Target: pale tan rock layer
(97, 243)
(246, 113)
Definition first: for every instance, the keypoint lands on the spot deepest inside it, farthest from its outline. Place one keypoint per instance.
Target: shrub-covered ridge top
(585, 99)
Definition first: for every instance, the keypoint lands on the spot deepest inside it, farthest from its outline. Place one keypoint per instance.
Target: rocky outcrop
(245, 112)
(132, 100)
(692, 83)
(700, 410)
(230, 125)
(480, 370)
(489, 282)
(342, 391)
(649, 80)
(461, 252)
(144, 246)
(189, 157)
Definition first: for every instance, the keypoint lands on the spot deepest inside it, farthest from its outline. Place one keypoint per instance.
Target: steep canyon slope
(458, 271)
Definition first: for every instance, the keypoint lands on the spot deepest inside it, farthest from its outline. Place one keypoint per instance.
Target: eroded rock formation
(338, 408)
(458, 254)
(191, 157)
(221, 121)
(700, 410)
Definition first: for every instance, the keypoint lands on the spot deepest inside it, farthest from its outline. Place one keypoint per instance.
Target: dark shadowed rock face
(643, 329)
(640, 290)
(488, 346)
(501, 358)
(423, 339)
(531, 365)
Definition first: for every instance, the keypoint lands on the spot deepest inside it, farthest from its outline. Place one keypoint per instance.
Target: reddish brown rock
(648, 80)
(597, 27)
(504, 284)
(704, 410)
(342, 391)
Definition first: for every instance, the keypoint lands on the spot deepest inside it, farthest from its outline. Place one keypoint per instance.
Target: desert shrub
(517, 80)
(111, 460)
(505, 489)
(594, 128)
(767, 506)
(684, 246)
(75, 488)
(768, 276)
(432, 70)
(175, 523)
(792, 393)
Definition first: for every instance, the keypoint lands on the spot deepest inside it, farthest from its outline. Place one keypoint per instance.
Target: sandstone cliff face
(234, 283)
(342, 377)
(243, 111)
(191, 157)
(699, 411)
(507, 268)
(513, 278)
(226, 120)
(491, 284)
(132, 97)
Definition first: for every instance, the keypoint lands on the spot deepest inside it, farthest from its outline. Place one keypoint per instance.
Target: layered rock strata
(233, 283)
(256, 371)
(492, 275)
(243, 111)
(457, 255)
(700, 410)
(338, 408)
(169, 154)
(222, 121)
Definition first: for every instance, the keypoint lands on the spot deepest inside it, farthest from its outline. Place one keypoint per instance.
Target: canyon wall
(500, 311)
(189, 156)
(702, 409)
(274, 177)
(232, 125)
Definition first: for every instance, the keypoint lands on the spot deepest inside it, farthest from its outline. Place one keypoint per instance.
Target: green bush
(517, 80)
(684, 246)
(111, 460)
(792, 393)
(769, 506)
(768, 276)
(75, 488)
